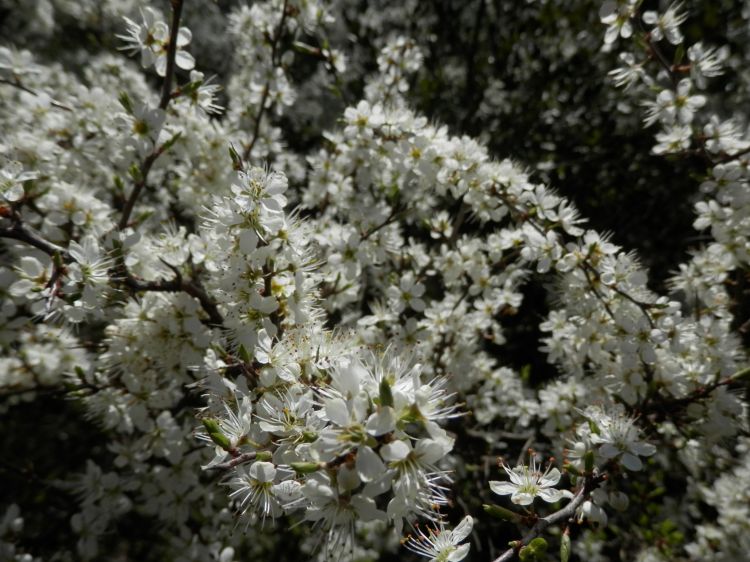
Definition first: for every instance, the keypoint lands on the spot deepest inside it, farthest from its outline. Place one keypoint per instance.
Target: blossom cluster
(289, 311)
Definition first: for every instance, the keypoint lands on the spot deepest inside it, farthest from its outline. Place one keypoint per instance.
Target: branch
(16, 84)
(166, 96)
(240, 459)
(175, 285)
(561, 515)
(192, 287)
(664, 407)
(166, 90)
(138, 187)
(266, 89)
(19, 232)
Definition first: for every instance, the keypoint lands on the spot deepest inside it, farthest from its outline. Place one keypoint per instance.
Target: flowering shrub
(259, 303)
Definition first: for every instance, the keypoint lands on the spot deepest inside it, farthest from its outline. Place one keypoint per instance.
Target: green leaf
(236, 158)
(125, 102)
(679, 54)
(167, 145)
(565, 547)
(245, 355)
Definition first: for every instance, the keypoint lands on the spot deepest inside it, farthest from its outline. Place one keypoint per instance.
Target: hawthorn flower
(12, 177)
(666, 25)
(617, 436)
(630, 73)
(441, 545)
(254, 489)
(528, 482)
(675, 106)
(706, 62)
(673, 139)
(150, 39)
(616, 15)
(140, 38)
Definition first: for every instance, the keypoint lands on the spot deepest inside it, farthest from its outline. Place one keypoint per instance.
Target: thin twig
(166, 90)
(563, 514)
(19, 232)
(267, 88)
(166, 96)
(239, 459)
(17, 84)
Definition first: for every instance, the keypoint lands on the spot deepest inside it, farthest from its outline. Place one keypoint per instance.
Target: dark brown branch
(166, 90)
(174, 285)
(19, 232)
(17, 84)
(166, 96)
(137, 188)
(267, 88)
(239, 459)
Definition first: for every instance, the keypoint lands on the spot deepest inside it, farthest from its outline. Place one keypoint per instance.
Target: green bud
(386, 396)
(305, 467)
(588, 460)
(534, 551)
(135, 172)
(500, 512)
(211, 425)
(309, 436)
(236, 159)
(214, 432)
(125, 102)
(539, 545)
(264, 456)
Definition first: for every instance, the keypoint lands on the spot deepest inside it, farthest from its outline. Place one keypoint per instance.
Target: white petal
(642, 449)
(631, 462)
(395, 451)
(459, 554)
(522, 498)
(550, 495)
(381, 422)
(502, 488)
(184, 60)
(263, 471)
(337, 411)
(609, 451)
(369, 464)
(463, 529)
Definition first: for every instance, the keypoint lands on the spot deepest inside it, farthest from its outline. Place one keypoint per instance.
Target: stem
(266, 89)
(191, 287)
(17, 84)
(563, 514)
(137, 188)
(166, 90)
(240, 459)
(18, 232)
(166, 96)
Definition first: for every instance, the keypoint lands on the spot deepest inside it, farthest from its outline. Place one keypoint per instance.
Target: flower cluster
(289, 296)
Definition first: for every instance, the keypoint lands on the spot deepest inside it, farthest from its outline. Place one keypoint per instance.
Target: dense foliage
(306, 279)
